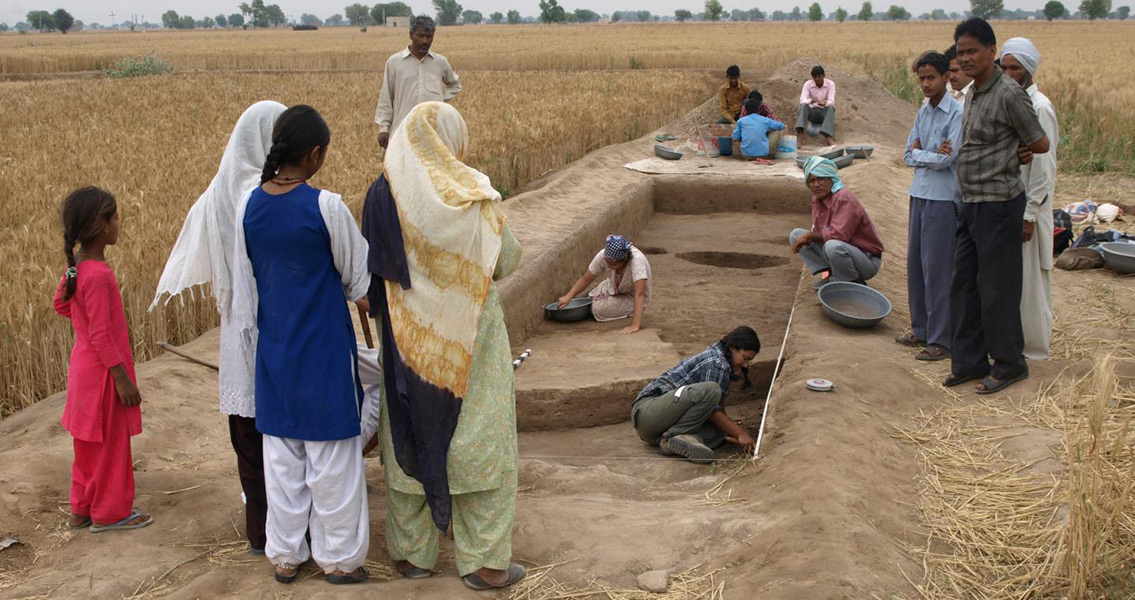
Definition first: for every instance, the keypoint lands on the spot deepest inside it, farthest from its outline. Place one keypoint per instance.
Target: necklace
(288, 180)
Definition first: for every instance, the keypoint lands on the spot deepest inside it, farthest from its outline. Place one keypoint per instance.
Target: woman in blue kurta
(299, 259)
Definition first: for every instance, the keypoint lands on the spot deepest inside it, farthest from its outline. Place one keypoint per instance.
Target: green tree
(897, 13)
(513, 17)
(1123, 12)
(357, 14)
(938, 14)
(381, 11)
(170, 19)
(63, 20)
(236, 20)
(551, 12)
(310, 19)
(335, 20)
(208, 22)
(584, 15)
(3, 27)
(1054, 10)
(713, 10)
(186, 22)
(1095, 9)
(447, 11)
(840, 14)
(986, 9)
(866, 13)
(796, 13)
(41, 20)
(682, 15)
(275, 15)
(496, 17)
(815, 12)
(643, 16)
(472, 17)
(221, 20)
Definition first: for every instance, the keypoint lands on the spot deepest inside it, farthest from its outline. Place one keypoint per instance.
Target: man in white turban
(1019, 60)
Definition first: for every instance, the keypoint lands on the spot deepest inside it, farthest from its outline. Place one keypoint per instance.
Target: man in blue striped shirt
(935, 198)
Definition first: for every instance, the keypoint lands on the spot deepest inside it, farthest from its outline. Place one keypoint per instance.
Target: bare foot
(77, 520)
(135, 521)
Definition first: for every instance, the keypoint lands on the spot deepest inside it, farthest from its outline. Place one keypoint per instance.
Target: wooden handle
(366, 326)
(187, 356)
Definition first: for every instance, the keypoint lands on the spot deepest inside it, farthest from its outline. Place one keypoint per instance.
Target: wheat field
(536, 98)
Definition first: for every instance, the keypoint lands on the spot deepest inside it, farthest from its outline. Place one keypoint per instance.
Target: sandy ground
(825, 513)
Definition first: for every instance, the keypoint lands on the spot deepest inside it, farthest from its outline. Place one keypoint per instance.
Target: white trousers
(317, 487)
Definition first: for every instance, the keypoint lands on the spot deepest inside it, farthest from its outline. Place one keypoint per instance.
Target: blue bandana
(618, 248)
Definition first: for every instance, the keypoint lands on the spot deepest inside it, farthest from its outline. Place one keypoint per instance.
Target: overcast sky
(98, 11)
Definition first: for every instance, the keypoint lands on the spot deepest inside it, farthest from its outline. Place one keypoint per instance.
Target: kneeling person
(626, 290)
(683, 413)
(843, 242)
(757, 134)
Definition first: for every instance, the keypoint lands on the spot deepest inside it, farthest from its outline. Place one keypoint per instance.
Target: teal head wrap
(818, 166)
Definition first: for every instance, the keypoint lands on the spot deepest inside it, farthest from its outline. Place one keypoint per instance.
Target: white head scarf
(203, 250)
(1024, 51)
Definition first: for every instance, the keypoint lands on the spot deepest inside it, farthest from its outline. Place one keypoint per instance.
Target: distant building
(403, 22)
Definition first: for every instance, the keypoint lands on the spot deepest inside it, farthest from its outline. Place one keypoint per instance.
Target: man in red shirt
(843, 242)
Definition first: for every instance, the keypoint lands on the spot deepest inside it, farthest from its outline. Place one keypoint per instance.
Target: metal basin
(576, 310)
(860, 151)
(666, 152)
(1119, 256)
(843, 161)
(853, 305)
(832, 154)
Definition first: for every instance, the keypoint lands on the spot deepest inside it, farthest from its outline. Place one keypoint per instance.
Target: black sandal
(287, 567)
(933, 353)
(359, 575)
(908, 339)
(994, 385)
(474, 581)
(956, 380)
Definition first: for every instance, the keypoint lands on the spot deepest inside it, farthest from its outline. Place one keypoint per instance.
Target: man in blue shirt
(935, 199)
(753, 129)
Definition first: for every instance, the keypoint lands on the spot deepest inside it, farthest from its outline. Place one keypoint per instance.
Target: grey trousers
(669, 415)
(930, 267)
(827, 127)
(846, 262)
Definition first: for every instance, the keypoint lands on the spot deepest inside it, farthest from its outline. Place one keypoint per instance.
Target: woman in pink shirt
(102, 409)
(817, 106)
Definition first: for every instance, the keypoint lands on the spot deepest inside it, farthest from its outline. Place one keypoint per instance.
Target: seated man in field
(758, 135)
(731, 96)
(763, 108)
(817, 107)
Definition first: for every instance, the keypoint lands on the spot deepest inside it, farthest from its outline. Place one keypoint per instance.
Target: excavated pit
(733, 260)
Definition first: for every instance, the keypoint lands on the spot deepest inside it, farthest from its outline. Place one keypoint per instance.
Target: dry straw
(697, 583)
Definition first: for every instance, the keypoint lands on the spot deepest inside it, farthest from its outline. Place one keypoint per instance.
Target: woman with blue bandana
(626, 290)
(843, 244)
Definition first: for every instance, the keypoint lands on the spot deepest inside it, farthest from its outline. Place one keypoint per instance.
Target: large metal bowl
(853, 305)
(666, 152)
(832, 154)
(576, 310)
(1119, 256)
(843, 161)
(860, 151)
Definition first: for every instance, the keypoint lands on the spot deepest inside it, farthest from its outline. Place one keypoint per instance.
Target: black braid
(84, 212)
(297, 132)
(273, 162)
(69, 251)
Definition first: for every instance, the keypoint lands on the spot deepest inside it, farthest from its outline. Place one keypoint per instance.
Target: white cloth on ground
(1039, 178)
(348, 251)
(203, 251)
(316, 487)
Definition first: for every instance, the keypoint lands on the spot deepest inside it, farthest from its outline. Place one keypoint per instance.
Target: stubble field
(536, 99)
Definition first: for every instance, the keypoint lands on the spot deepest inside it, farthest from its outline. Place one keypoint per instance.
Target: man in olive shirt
(985, 294)
(731, 96)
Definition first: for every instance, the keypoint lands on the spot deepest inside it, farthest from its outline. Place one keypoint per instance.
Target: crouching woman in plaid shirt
(682, 412)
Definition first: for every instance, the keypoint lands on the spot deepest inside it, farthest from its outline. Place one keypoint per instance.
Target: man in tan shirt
(413, 76)
(732, 96)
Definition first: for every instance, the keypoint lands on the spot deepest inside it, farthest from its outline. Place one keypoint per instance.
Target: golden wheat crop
(156, 142)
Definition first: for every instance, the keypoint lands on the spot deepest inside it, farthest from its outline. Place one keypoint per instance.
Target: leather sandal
(474, 581)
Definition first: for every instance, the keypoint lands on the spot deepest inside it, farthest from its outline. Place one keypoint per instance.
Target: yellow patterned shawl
(451, 227)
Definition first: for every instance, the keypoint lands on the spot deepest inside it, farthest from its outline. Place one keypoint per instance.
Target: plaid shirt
(998, 117)
(710, 365)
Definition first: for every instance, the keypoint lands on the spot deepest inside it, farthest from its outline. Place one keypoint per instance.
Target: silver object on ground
(853, 304)
(666, 152)
(859, 151)
(1119, 256)
(819, 385)
(576, 310)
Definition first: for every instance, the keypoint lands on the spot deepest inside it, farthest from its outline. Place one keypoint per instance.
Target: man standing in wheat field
(413, 76)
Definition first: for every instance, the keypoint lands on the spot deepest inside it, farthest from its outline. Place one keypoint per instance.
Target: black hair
(83, 213)
(752, 105)
(742, 338)
(978, 29)
(933, 59)
(952, 52)
(818, 71)
(297, 132)
(422, 22)
(733, 71)
(756, 95)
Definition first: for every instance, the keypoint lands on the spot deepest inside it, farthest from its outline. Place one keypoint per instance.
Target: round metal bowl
(832, 154)
(843, 161)
(854, 305)
(1119, 256)
(576, 310)
(801, 160)
(860, 151)
(666, 152)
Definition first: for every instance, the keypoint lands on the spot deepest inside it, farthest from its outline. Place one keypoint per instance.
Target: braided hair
(297, 132)
(742, 338)
(84, 212)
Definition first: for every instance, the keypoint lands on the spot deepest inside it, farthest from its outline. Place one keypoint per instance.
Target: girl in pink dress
(102, 410)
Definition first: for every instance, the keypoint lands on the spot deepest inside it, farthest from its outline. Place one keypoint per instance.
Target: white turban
(1024, 51)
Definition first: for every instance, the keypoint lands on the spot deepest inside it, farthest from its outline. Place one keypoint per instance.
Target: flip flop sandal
(933, 353)
(287, 567)
(83, 525)
(256, 551)
(956, 380)
(993, 385)
(908, 339)
(122, 525)
(474, 582)
(416, 573)
(359, 575)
